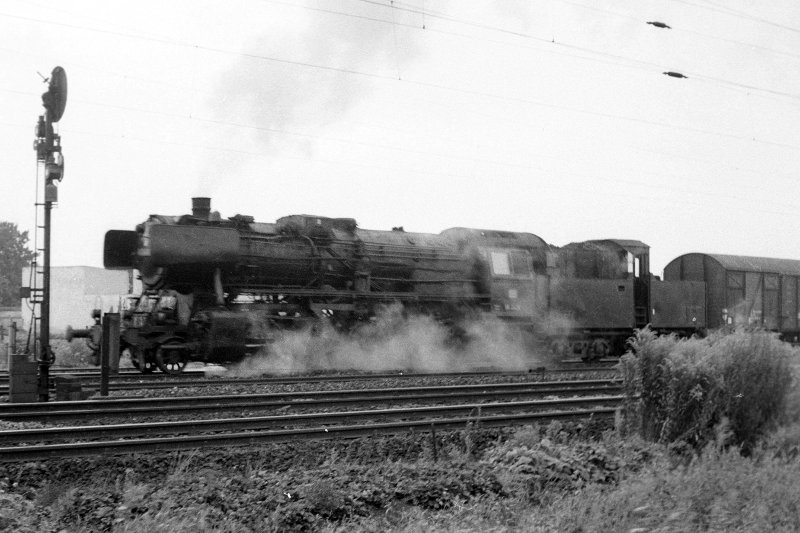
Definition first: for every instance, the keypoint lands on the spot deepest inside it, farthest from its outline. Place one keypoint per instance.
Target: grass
(720, 490)
(650, 490)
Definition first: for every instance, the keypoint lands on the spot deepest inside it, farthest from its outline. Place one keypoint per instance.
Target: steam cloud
(396, 342)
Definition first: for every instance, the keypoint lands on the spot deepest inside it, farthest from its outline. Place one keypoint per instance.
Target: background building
(76, 290)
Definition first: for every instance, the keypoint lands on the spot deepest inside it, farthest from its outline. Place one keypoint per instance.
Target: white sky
(551, 117)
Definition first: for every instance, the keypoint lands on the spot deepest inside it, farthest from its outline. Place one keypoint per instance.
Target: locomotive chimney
(201, 207)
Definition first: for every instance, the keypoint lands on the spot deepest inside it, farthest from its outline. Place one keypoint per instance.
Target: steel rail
(153, 384)
(115, 431)
(90, 372)
(129, 374)
(354, 401)
(112, 406)
(198, 383)
(259, 437)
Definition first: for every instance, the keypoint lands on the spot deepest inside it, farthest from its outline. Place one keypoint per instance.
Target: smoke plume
(396, 342)
(289, 85)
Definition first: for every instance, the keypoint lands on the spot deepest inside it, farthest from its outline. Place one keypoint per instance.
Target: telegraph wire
(165, 40)
(383, 146)
(792, 208)
(473, 92)
(745, 86)
(595, 56)
(444, 16)
(587, 50)
(414, 82)
(620, 61)
(683, 30)
(349, 163)
(443, 87)
(362, 143)
(396, 6)
(90, 68)
(736, 13)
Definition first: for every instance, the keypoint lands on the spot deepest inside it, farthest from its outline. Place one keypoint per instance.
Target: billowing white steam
(397, 342)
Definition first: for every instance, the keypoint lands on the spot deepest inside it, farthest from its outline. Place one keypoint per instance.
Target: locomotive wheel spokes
(171, 359)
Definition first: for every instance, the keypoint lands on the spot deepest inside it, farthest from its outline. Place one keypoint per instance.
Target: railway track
(204, 434)
(120, 406)
(135, 380)
(127, 374)
(93, 371)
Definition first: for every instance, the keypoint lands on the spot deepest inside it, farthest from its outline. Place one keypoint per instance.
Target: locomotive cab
(602, 287)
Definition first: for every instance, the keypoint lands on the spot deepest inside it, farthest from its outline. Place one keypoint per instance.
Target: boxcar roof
(756, 264)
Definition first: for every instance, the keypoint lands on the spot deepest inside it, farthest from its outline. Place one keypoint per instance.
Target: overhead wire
(257, 127)
(399, 6)
(433, 14)
(587, 50)
(738, 13)
(523, 166)
(679, 29)
(375, 75)
(429, 85)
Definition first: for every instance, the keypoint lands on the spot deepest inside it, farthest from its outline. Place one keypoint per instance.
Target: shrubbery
(680, 390)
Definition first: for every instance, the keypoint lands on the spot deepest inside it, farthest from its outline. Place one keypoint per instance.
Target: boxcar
(744, 291)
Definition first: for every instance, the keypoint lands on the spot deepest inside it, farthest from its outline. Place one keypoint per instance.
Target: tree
(14, 255)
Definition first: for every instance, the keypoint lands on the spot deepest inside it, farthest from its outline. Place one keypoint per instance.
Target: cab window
(500, 264)
(520, 264)
(514, 263)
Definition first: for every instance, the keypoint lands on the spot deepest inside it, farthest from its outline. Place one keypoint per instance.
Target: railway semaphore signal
(48, 152)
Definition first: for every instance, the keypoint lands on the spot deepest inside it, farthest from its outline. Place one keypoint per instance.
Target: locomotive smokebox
(201, 207)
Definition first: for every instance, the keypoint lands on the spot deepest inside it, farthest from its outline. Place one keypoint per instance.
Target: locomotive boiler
(214, 288)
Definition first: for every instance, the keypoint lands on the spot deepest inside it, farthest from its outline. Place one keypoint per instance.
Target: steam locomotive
(215, 290)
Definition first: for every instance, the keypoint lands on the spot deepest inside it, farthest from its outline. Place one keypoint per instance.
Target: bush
(679, 390)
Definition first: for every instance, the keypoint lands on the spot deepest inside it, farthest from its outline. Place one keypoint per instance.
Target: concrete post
(109, 352)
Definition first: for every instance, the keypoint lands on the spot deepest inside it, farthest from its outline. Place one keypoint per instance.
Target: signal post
(48, 152)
